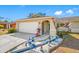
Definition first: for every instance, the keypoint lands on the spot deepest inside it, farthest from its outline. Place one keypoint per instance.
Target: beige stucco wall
(40, 20)
(52, 26)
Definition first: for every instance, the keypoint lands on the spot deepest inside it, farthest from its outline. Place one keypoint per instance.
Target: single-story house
(73, 23)
(5, 24)
(74, 26)
(8, 25)
(46, 25)
(12, 24)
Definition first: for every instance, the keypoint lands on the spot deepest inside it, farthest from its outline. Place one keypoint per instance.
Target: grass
(70, 36)
(75, 35)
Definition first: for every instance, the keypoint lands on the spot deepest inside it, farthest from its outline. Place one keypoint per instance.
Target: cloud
(70, 11)
(58, 12)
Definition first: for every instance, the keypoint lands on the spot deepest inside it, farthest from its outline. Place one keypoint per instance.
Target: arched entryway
(45, 27)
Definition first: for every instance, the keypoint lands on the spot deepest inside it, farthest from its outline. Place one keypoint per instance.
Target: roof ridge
(34, 18)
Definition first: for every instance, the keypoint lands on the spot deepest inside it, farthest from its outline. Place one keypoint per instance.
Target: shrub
(1, 26)
(11, 30)
(59, 25)
(61, 33)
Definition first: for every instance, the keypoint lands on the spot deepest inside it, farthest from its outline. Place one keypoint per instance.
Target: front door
(45, 27)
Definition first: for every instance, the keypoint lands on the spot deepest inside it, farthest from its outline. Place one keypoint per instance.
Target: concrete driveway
(8, 42)
(16, 41)
(21, 35)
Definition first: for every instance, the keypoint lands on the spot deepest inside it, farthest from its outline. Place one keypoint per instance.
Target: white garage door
(75, 27)
(28, 27)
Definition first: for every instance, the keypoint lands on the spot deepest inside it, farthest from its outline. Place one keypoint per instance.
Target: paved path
(8, 42)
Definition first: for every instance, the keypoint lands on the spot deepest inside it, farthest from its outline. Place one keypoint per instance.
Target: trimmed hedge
(11, 30)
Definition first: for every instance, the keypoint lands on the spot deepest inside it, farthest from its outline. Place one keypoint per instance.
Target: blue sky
(13, 12)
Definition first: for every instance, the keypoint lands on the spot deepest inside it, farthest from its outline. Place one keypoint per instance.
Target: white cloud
(70, 11)
(58, 12)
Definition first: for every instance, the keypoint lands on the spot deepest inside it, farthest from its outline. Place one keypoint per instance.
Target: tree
(5, 20)
(60, 24)
(1, 26)
(32, 15)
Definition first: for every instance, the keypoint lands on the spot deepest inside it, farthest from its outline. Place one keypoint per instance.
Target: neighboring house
(74, 26)
(43, 25)
(12, 25)
(73, 23)
(8, 25)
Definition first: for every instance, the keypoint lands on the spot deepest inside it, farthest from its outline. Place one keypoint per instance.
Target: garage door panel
(28, 27)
